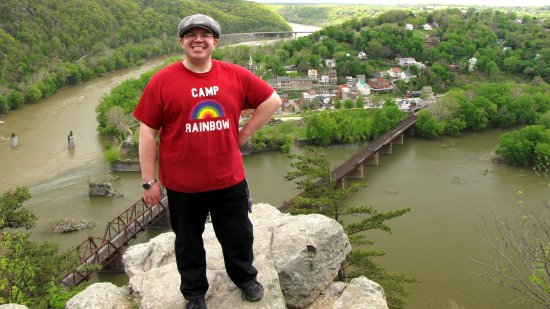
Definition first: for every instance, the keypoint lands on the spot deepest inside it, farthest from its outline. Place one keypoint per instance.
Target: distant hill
(45, 45)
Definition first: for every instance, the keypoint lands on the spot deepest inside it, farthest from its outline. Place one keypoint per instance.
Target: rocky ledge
(298, 258)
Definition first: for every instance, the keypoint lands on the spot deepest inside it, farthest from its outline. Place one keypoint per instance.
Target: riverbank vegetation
(330, 14)
(503, 105)
(28, 270)
(46, 45)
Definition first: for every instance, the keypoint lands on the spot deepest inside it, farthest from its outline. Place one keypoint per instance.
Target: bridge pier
(357, 173)
(373, 159)
(386, 149)
(410, 131)
(399, 140)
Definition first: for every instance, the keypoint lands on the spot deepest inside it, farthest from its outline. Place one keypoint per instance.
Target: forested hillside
(324, 14)
(45, 45)
(506, 47)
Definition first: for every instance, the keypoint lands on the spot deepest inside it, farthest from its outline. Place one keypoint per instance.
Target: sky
(412, 2)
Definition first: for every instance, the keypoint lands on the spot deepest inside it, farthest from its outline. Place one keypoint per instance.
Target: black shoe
(196, 304)
(254, 291)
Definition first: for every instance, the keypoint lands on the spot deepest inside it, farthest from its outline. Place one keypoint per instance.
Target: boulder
(308, 251)
(102, 295)
(13, 306)
(362, 293)
(297, 258)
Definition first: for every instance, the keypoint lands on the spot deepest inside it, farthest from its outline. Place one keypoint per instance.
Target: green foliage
(11, 214)
(112, 155)
(485, 105)
(321, 194)
(278, 136)
(321, 15)
(122, 101)
(29, 272)
(350, 125)
(45, 45)
(426, 125)
(462, 36)
(529, 146)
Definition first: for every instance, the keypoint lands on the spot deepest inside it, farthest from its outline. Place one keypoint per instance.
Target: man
(195, 105)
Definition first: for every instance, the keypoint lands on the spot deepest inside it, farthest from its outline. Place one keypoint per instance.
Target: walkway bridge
(353, 168)
(98, 252)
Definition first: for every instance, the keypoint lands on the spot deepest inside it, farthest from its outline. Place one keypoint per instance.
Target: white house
(409, 27)
(406, 61)
(394, 72)
(363, 87)
(324, 79)
(472, 65)
(427, 27)
(312, 73)
(362, 55)
(330, 63)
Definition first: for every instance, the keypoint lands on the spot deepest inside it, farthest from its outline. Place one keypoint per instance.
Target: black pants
(229, 212)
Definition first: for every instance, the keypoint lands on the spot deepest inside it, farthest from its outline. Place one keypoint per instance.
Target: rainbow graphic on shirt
(207, 110)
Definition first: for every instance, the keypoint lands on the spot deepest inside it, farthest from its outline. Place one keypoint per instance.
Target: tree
(426, 125)
(312, 174)
(121, 121)
(348, 103)
(359, 102)
(29, 271)
(522, 259)
(11, 214)
(524, 147)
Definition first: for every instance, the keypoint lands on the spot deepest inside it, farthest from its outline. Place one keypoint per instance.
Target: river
(446, 182)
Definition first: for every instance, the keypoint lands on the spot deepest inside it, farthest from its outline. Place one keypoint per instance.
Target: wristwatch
(148, 184)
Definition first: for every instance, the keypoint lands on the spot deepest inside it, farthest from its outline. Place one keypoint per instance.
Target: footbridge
(96, 253)
(353, 168)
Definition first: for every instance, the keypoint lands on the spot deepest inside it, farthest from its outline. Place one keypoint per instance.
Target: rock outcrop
(297, 257)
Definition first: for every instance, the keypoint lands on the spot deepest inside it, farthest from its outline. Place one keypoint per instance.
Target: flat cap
(201, 21)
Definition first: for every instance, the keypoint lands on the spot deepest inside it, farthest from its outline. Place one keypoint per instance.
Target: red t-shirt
(198, 118)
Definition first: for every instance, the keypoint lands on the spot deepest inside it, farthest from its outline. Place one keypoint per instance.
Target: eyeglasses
(202, 36)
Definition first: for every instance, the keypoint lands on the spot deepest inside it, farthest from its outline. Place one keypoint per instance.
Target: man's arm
(260, 117)
(147, 160)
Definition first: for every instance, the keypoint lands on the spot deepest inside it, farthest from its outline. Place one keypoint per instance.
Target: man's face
(198, 44)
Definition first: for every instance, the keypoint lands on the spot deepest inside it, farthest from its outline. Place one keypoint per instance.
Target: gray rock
(308, 251)
(13, 306)
(102, 295)
(297, 258)
(143, 257)
(362, 293)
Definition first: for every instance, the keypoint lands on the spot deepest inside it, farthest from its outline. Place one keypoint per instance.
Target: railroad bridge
(353, 168)
(124, 228)
(236, 38)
